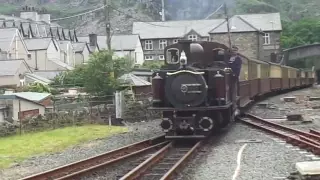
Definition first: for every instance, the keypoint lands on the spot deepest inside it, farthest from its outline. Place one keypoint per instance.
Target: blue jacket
(235, 63)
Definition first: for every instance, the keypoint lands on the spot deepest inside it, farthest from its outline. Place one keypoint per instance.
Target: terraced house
(256, 35)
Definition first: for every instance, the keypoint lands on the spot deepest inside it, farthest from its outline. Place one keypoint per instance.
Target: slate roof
(133, 80)
(174, 29)
(38, 44)
(118, 42)
(48, 74)
(6, 37)
(79, 46)
(10, 67)
(178, 29)
(251, 22)
(37, 78)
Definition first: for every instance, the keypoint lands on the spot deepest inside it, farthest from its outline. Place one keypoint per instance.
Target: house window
(148, 45)
(161, 57)
(266, 38)
(162, 43)
(193, 37)
(148, 57)
(175, 41)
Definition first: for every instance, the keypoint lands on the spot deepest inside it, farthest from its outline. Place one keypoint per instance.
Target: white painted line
(236, 173)
(303, 152)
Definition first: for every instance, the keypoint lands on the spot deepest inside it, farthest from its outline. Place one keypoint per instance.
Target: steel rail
(312, 134)
(315, 132)
(79, 168)
(144, 166)
(173, 171)
(139, 171)
(304, 142)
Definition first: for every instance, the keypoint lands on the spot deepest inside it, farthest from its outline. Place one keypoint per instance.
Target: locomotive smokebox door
(186, 89)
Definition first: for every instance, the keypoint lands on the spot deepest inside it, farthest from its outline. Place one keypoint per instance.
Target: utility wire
(81, 14)
(214, 11)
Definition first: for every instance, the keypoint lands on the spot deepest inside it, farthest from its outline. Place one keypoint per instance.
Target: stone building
(256, 35)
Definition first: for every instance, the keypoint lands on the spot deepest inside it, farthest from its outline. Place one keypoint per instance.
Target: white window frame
(161, 57)
(193, 37)
(266, 39)
(148, 57)
(175, 41)
(148, 45)
(162, 44)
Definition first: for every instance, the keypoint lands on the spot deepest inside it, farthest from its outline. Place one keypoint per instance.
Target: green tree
(96, 75)
(38, 87)
(153, 64)
(305, 31)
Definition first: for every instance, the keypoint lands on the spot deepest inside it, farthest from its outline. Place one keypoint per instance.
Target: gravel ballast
(137, 132)
(265, 159)
(278, 108)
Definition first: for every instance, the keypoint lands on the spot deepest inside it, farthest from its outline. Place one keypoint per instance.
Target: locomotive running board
(186, 137)
(191, 108)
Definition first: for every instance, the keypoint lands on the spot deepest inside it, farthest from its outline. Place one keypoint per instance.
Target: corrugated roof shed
(251, 22)
(132, 80)
(7, 35)
(38, 44)
(174, 29)
(10, 67)
(32, 96)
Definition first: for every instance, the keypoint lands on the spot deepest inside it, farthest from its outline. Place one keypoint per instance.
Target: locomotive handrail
(181, 71)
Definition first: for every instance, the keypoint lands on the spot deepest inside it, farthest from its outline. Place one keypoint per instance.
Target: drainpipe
(258, 42)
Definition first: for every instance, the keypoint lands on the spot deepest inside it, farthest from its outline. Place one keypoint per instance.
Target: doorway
(318, 76)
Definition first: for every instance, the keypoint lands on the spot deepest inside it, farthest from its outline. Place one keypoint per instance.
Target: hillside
(124, 12)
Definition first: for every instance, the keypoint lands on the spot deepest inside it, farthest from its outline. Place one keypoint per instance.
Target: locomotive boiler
(194, 90)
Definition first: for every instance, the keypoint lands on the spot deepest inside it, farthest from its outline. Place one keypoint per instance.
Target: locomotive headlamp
(183, 58)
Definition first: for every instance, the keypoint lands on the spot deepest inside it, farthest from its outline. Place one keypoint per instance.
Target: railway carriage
(303, 78)
(254, 77)
(264, 84)
(244, 83)
(285, 82)
(292, 74)
(275, 76)
(196, 92)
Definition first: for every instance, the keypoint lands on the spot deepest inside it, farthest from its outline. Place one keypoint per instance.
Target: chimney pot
(93, 39)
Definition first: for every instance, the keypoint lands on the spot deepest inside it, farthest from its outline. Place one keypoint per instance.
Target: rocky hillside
(124, 12)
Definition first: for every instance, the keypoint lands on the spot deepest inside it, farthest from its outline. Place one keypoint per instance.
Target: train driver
(235, 63)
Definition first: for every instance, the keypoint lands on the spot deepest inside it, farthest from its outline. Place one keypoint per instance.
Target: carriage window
(172, 56)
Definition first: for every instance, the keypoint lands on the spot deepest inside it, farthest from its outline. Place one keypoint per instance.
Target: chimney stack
(93, 38)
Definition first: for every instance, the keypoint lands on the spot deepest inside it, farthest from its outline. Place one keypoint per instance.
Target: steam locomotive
(195, 89)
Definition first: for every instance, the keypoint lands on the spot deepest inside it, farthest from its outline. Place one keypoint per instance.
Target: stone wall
(250, 44)
(246, 42)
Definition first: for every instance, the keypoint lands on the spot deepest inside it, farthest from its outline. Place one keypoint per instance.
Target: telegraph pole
(107, 21)
(162, 12)
(228, 27)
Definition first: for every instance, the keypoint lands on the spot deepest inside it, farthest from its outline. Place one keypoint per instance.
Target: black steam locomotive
(195, 89)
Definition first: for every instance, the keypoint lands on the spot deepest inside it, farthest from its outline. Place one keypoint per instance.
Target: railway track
(90, 165)
(305, 140)
(164, 164)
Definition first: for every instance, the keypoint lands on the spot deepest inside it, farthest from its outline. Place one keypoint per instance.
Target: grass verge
(17, 148)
